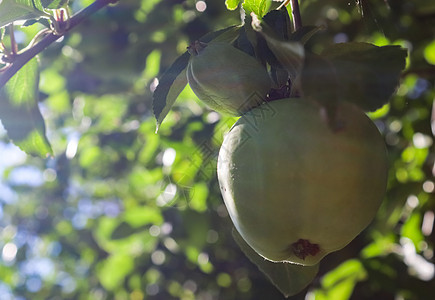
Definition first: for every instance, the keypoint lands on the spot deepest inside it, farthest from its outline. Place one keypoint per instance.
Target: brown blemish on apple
(302, 248)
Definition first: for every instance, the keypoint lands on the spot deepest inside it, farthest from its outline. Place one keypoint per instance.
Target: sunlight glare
(9, 252)
(201, 6)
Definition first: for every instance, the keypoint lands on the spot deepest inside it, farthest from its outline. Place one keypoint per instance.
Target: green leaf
(352, 268)
(287, 47)
(171, 84)
(278, 23)
(35, 143)
(20, 10)
(199, 194)
(367, 74)
(42, 21)
(258, 7)
(412, 229)
(424, 6)
(54, 4)
(140, 216)
(304, 34)
(246, 39)
(232, 4)
(123, 230)
(115, 269)
(340, 282)
(429, 53)
(290, 279)
(319, 81)
(227, 35)
(289, 54)
(19, 111)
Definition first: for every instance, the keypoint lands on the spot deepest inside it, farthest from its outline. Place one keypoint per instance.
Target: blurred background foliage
(123, 213)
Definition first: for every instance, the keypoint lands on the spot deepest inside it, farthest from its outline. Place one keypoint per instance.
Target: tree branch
(22, 58)
(297, 19)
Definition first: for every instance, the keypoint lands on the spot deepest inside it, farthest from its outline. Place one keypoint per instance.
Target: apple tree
(113, 115)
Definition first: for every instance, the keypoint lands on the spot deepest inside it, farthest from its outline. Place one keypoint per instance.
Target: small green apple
(296, 189)
(225, 78)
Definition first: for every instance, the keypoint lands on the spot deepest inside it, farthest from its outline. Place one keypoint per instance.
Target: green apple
(296, 189)
(225, 78)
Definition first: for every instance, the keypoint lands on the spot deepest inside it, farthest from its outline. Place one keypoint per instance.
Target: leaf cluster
(362, 73)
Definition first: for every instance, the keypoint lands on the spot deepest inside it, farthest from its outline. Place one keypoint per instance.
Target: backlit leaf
(258, 7)
(114, 269)
(19, 111)
(20, 10)
(232, 4)
(54, 4)
(340, 283)
(171, 84)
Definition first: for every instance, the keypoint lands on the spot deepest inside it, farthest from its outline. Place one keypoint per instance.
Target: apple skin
(294, 188)
(226, 79)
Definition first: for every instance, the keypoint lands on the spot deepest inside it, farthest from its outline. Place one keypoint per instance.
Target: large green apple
(296, 189)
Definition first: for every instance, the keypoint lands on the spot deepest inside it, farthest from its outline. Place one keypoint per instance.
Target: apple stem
(196, 47)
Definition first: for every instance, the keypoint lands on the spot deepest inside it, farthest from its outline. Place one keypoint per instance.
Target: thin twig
(284, 3)
(22, 58)
(14, 46)
(297, 19)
